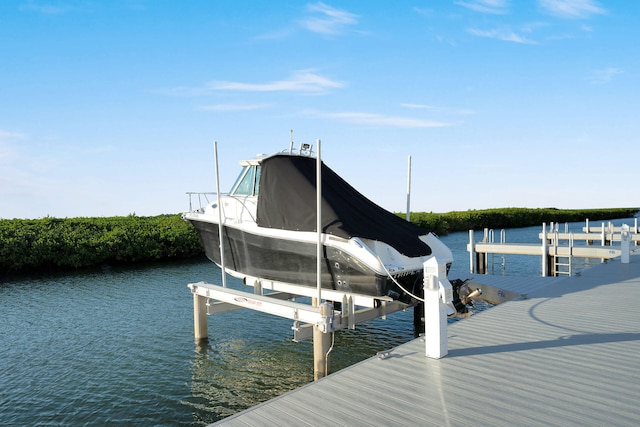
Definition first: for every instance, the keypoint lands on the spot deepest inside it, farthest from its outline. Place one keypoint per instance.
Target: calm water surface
(115, 346)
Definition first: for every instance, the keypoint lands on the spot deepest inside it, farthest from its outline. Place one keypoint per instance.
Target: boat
(269, 229)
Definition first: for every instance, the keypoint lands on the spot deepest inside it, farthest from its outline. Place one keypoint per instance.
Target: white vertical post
(625, 243)
(409, 190)
(319, 222)
(437, 293)
(602, 234)
(321, 339)
(472, 252)
(545, 250)
(220, 226)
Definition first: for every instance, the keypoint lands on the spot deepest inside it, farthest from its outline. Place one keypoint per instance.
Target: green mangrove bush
(443, 223)
(71, 243)
(55, 244)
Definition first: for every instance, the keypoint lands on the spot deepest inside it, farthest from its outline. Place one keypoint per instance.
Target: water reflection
(231, 374)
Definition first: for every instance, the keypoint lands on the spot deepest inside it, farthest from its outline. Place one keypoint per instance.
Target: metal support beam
(223, 307)
(304, 332)
(327, 294)
(292, 310)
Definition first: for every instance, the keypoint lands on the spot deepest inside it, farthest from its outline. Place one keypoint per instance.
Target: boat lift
(320, 319)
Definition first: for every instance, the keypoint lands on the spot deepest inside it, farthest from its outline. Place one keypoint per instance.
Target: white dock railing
(552, 251)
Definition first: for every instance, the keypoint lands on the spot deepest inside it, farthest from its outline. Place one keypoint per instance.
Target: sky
(111, 108)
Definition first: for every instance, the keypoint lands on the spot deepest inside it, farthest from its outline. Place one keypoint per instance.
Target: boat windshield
(248, 182)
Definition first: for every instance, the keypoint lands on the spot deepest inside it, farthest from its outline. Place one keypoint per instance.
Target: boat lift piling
(200, 324)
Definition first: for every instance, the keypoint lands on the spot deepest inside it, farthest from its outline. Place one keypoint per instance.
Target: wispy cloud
(233, 107)
(300, 81)
(8, 139)
(278, 34)
(46, 8)
(303, 81)
(572, 8)
(378, 119)
(6, 135)
(424, 11)
(99, 150)
(604, 75)
(417, 106)
(504, 34)
(437, 109)
(494, 7)
(328, 20)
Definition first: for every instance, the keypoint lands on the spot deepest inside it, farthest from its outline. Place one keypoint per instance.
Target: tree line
(62, 244)
(511, 218)
(51, 244)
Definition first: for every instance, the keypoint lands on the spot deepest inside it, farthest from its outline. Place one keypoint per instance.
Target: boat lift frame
(322, 318)
(220, 299)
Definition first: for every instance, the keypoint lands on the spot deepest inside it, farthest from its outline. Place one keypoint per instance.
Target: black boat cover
(287, 200)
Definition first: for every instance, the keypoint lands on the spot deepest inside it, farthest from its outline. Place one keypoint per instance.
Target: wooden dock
(566, 355)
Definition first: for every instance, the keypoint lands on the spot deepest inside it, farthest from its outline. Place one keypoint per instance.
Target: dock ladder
(562, 264)
(502, 261)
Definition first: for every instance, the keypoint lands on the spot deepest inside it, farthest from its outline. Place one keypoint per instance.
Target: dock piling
(625, 244)
(200, 325)
(321, 344)
(545, 251)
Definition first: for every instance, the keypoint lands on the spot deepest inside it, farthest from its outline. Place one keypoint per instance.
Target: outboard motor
(463, 296)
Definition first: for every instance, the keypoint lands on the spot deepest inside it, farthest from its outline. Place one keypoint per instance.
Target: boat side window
(257, 187)
(236, 184)
(247, 181)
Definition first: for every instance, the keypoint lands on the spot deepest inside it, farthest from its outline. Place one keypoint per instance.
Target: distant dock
(557, 249)
(564, 355)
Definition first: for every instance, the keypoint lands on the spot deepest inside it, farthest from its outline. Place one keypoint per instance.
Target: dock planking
(565, 355)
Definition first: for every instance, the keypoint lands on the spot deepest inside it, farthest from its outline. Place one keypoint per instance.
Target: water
(115, 345)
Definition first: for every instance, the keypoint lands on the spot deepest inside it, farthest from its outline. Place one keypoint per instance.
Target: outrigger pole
(319, 222)
(220, 227)
(321, 339)
(409, 189)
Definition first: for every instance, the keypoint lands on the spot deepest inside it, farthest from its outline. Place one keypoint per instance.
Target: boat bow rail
(199, 196)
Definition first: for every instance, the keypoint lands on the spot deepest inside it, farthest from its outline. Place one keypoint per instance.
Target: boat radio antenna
(290, 141)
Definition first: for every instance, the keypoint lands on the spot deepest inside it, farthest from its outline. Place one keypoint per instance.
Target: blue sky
(111, 107)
